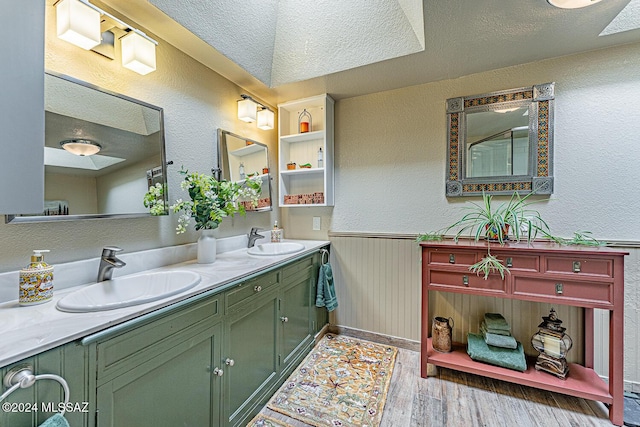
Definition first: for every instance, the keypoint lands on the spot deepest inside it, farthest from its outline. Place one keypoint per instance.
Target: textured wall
(196, 102)
(390, 178)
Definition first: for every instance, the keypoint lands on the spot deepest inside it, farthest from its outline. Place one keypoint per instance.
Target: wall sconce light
(248, 112)
(247, 109)
(265, 119)
(81, 147)
(78, 22)
(572, 4)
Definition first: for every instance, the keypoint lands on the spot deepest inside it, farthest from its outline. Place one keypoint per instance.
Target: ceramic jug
(441, 334)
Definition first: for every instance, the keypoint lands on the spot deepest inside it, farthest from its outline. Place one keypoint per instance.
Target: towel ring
(22, 376)
(324, 252)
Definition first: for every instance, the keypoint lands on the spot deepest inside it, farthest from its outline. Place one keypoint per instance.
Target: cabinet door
(175, 388)
(250, 353)
(295, 312)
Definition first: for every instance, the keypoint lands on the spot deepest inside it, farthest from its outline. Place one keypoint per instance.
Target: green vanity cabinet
(164, 372)
(250, 354)
(212, 360)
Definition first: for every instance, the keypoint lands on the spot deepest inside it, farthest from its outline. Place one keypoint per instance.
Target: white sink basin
(128, 290)
(274, 249)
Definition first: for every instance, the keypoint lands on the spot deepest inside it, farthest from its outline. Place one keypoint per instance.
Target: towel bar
(21, 376)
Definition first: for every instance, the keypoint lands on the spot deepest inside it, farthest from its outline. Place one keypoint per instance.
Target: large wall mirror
(242, 158)
(501, 142)
(102, 152)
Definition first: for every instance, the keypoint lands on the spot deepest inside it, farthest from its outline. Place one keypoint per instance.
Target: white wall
(196, 102)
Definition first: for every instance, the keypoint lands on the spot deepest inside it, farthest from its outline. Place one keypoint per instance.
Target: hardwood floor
(456, 399)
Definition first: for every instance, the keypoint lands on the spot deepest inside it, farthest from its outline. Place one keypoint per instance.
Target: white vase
(207, 247)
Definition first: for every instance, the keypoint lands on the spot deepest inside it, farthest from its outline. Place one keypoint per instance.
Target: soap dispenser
(241, 171)
(276, 233)
(36, 280)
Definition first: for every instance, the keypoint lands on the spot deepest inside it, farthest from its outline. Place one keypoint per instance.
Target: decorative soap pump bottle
(36, 280)
(276, 233)
(242, 174)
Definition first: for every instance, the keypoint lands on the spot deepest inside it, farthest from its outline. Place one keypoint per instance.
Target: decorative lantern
(553, 345)
(304, 121)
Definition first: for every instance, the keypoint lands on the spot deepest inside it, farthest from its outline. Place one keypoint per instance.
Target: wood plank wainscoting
(378, 281)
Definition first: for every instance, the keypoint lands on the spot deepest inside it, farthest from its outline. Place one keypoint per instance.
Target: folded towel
(498, 340)
(326, 292)
(496, 321)
(507, 358)
(495, 331)
(55, 421)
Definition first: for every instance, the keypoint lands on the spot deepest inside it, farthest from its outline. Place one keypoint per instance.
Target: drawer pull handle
(219, 372)
(257, 288)
(465, 280)
(284, 319)
(229, 362)
(559, 287)
(452, 259)
(509, 262)
(576, 266)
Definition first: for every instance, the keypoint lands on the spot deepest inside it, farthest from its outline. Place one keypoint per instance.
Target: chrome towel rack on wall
(22, 376)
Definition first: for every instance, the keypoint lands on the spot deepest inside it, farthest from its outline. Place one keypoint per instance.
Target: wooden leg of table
(424, 331)
(616, 364)
(588, 337)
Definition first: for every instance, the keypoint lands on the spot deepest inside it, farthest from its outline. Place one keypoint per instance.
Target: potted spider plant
(513, 221)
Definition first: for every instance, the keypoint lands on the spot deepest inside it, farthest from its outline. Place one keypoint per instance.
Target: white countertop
(26, 331)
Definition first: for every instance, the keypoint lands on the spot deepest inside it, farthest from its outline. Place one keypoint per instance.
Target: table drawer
(452, 257)
(457, 281)
(587, 266)
(576, 292)
(519, 262)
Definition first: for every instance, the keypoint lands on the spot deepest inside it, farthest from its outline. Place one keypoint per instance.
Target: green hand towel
(498, 340)
(55, 421)
(326, 292)
(496, 321)
(479, 351)
(495, 331)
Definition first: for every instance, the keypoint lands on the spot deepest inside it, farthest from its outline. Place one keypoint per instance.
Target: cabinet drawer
(520, 262)
(587, 266)
(297, 266)
(123, 352)
(250, 288)
(582, 293)
(452, 257)
(457, 282)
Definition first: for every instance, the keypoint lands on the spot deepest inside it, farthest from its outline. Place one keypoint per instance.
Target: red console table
(580, 276)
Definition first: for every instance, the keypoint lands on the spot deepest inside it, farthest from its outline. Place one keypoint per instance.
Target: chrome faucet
(253, 236)
(108, 262)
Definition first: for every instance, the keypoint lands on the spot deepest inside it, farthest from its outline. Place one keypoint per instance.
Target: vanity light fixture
(265, 119)
(248, 112)
(572, 4)
(247, 109)
(81, 147)
(78, 22)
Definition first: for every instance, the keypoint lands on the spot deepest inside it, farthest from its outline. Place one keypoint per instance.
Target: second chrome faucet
(109, 261)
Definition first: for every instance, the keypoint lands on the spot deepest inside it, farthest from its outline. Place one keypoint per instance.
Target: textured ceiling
(285, 41)
(461, 37)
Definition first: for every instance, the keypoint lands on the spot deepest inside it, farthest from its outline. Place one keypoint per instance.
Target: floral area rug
(265, 421)
(342, 382)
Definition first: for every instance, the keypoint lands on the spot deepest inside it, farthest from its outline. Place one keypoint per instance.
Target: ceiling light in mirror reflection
(81, 147)
(572, 4)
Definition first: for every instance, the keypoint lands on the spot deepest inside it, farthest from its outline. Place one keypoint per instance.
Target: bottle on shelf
(242, 174)
(320, 158)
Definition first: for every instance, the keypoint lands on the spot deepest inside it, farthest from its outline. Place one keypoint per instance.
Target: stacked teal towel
(55, 421)
(326, 292)
(497, 340)
(496, 324)
(478, 350)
